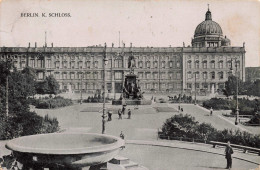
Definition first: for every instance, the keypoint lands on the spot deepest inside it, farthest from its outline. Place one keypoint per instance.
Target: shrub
(185, 126)
(26, 123)
(51, 103)
(218, 104)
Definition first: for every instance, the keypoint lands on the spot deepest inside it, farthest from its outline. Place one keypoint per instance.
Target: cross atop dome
(208, 14)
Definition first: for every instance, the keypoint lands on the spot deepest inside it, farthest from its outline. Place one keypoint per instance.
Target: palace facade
(204, 66)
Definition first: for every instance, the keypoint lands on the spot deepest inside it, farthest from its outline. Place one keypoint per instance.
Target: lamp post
(237, 110)
(9, 70)
(105, 61)
(81, 83)
(195, 102)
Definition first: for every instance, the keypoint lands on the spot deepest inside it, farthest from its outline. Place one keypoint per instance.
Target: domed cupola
(208, 33)
(225, 42)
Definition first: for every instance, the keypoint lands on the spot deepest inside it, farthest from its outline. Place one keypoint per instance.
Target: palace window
(197, 85)
(118, 75)
(188, 85)
(197, 75)
(237, 64)
(221, 76)
(57, 75)
(212, 64)
(48, 64)
(140, 64)
(88, 75)
(32, 63)
(212, 75)
(221, 64)
(170, 64)
(65, 64)
(23, 64)
(39, 63)
(64, 76)
(178, 75)
(179, 86)
(140, 75)
(72, 75)
(178, 64)
(148, 75)
(205, 75)
(189, 75)
(197, 64)
(205, 85)
(148, 64)
(80, 64)
(95, 75)
(88, 63)
(189, 64)
(163, 64)
(204, 64)
(155, 64)
(163, 76)
(229, 64)
(96, 64)
(72, 64)
(40, 75)
(155, 75)
(118, 63)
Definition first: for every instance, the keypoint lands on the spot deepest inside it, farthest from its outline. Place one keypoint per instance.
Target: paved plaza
(140, 131)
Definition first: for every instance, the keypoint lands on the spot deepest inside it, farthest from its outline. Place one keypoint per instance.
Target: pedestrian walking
(123, 109)
(122, 136)
(119, 114)
(211, 111)
(129, 114)
(228, 153)
(181, 109)
(109, 116)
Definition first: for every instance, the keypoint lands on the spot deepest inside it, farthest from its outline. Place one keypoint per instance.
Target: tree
(48, 86)
(21, 121)
(180, 126)
(231, 86)
(53, 85)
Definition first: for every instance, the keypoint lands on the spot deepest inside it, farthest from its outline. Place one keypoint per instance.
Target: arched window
(189, 64)
(205, 75)
(212, 64)
(213, 75)
(155, 64)
(140, 64)
(221, 64)
(189, 75)
(197, 64)
(238, 64)
(148, 64)
(204, 64)
(221, 75)
(163, 64)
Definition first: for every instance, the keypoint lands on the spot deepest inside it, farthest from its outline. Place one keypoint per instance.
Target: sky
(153, 23)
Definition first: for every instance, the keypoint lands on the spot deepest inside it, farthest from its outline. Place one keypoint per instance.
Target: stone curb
(198, 147)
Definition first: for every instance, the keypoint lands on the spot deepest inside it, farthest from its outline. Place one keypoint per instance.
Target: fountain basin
(68, 150)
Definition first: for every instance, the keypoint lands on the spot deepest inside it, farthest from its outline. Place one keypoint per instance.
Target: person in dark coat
(109, 115)
(129, 114)
(123, 109)
(228, 153)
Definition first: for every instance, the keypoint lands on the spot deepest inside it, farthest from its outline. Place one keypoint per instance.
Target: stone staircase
(126, 164)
